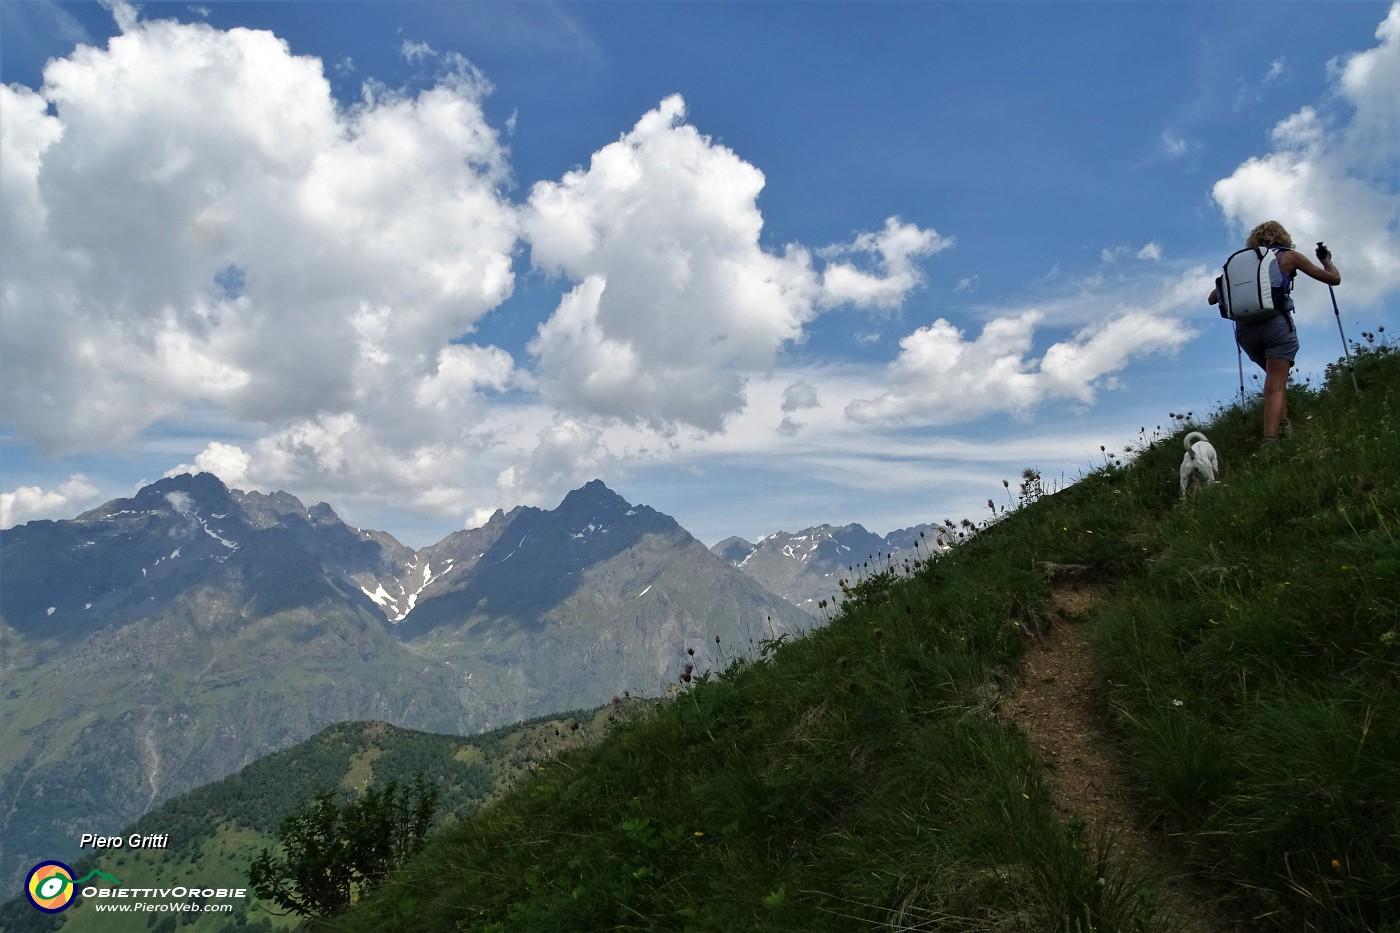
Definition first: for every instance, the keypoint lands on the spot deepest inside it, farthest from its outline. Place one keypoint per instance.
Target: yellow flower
(1336, 864)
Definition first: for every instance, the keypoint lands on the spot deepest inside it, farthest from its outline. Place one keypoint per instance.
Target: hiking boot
(1266, 442)
(1286, 428)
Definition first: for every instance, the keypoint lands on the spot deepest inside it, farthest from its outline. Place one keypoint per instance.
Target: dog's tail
(1193, 437)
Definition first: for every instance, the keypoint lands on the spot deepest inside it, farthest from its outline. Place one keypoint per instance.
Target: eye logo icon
(50, 886)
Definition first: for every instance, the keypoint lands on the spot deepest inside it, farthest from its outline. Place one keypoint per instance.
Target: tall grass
(1255, 668)
(859, 777)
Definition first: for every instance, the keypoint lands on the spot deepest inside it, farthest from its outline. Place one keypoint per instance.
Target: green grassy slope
(862, 777)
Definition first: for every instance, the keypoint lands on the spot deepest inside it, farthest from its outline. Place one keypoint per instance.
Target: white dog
(1200, 461)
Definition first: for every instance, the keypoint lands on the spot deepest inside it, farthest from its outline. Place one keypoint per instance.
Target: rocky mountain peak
(593, 498)
(806, 567)
(173, 495)
(265, 509)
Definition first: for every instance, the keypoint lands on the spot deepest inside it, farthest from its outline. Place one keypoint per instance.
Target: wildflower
(1177, 703)
(1336, 865)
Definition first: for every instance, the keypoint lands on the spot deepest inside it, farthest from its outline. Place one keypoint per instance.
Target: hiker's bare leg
(1275, 398)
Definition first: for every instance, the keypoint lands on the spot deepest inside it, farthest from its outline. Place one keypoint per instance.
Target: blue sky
(757, 265)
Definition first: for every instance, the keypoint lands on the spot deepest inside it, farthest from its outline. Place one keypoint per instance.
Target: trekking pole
(1239, 358)
(1346, 350)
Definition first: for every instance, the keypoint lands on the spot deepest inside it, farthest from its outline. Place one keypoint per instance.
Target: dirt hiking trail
(1056, 703)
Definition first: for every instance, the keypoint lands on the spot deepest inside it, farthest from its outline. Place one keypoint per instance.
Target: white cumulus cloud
(1333, 175)
(896, 249)
(226, 461)
(940, 376)
(676, 303)
(190, 218)
(567, 449)
(30, 503)
(800, 395)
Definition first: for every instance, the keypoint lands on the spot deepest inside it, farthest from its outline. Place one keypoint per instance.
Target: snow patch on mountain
(397, 608)
(591, 530)
(232, 546)
(381, 598)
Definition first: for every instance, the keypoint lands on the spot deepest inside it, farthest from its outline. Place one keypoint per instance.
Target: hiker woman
(1272, 344)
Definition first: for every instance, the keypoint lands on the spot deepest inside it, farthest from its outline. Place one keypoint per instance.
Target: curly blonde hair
(1269, 233)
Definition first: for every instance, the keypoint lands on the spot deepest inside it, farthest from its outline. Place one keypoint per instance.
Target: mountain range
(807, 567)
(163, 641)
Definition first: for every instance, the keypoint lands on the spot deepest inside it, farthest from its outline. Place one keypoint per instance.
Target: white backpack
(1246, 291)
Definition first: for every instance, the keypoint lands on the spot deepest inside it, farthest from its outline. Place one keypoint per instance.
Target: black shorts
(1274, 339)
